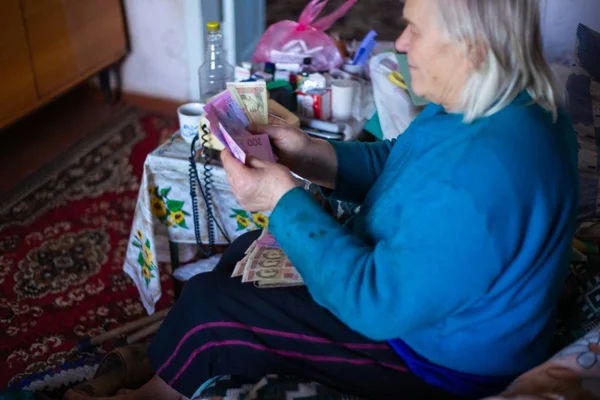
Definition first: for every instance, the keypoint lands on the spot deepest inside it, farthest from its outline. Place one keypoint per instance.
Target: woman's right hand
(312, 159)
(290, 143)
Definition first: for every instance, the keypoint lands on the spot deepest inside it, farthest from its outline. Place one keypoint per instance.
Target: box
(242, 74)
(315, 104)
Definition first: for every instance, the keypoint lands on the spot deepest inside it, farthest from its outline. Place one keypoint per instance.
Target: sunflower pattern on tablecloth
(145, 258)
(168, 211)
(249, 220)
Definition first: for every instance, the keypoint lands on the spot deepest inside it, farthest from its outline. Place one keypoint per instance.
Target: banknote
(272, 275)
(258, 146)
(253, 97)
(268, 258)
(266, 284)
(251, 248)
(231, 114)
(232, 145)
(269, 264)
(213, 119)
(228, 122)
(239, 267)
(222, 134)
(266, 264)
(266, 239)
(264, 232)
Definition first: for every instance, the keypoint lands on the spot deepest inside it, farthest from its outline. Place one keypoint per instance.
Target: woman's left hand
(260, 185)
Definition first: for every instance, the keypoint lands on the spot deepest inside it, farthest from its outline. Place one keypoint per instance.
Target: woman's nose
(403, 42)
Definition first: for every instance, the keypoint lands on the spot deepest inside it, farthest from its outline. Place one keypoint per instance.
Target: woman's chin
(417, 89)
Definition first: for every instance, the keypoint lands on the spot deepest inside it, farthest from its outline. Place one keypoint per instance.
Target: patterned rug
(63, 236)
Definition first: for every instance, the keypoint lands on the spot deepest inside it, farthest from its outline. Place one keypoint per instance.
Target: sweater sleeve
(359, 165)
(439, 258)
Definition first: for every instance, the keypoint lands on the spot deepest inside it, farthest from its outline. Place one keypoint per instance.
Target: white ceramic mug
(190, 116)
(343, 95)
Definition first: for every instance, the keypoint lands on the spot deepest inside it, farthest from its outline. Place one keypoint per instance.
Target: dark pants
(221, 326)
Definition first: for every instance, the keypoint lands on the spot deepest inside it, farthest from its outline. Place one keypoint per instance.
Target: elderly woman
(446, 283)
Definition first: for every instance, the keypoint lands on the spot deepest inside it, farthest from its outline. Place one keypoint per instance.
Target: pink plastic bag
(292, 42)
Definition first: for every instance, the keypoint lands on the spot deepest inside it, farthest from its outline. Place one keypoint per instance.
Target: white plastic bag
(394, 105)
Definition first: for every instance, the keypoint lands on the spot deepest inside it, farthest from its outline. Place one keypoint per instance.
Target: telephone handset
(206, 190)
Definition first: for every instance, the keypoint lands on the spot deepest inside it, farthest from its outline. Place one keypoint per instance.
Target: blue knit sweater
(463, 242)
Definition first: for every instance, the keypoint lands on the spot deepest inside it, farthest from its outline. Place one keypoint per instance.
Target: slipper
(127, 367)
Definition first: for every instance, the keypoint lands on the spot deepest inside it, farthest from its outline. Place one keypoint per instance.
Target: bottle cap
(213, 26)
(269, 67)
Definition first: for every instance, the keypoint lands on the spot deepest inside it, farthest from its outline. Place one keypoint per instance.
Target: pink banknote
(267, 240)
(233, 147)
(228, 123)
(213, 118)
(258, 146)
(231, 114)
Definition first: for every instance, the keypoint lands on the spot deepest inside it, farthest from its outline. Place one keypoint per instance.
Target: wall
(157, 65)
(560, 25)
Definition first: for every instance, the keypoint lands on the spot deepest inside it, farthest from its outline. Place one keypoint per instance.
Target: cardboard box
(315, 104)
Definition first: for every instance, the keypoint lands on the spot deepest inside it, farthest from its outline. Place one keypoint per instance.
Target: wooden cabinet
(17, 85)
(49, 46)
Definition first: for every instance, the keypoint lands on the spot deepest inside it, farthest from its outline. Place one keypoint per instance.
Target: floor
(29, 144)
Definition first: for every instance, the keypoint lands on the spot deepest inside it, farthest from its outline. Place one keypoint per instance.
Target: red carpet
(62, 242)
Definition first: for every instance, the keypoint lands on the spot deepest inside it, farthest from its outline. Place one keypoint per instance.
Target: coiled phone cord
(211, 221)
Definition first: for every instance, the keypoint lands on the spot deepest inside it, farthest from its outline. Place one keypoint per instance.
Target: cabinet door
(72, 39)
(17, 86)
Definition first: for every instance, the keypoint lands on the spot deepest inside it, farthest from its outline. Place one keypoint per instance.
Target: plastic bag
(292, 42)
(394, 105)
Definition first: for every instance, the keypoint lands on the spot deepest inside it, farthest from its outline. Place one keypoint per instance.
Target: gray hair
(509, 33)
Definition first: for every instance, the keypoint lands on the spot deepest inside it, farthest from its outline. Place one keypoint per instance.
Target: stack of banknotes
(231, 112)
(266, 265)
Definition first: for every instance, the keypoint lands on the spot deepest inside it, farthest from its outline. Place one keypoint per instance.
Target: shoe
(127, 367)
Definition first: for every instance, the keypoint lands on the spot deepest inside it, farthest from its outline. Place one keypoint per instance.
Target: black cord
(211, 221)
(207, 155)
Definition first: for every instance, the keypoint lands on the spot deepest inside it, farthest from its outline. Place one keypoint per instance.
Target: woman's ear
(476, 54)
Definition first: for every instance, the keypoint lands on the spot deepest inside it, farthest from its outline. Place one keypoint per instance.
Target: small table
(163, 228)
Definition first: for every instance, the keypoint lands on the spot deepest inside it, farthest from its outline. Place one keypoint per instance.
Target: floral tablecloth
(163, 214)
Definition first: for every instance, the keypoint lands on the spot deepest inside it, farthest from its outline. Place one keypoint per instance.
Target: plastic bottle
(215, 72)
(306, 66)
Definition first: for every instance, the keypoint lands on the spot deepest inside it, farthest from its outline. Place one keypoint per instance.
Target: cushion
(583, 102)
(561, 73)
(588, 50)
(573, 373)
(579, 306)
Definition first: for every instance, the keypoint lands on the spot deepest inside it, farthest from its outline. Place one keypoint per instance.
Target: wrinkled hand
(259, 185)
(290, 143)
